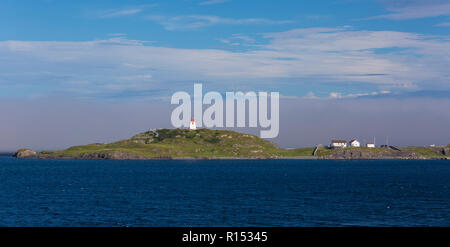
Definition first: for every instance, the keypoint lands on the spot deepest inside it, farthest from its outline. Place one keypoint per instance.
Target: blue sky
(128, 49)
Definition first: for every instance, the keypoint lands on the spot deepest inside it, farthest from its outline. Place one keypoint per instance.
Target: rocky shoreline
(117, 155)
(388, 154)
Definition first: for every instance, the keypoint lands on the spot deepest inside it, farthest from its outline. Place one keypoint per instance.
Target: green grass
(22, 149)
(298, 152)
(424, 151)
(189, 143)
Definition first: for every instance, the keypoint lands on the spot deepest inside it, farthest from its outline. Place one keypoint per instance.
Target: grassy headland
(181, 143)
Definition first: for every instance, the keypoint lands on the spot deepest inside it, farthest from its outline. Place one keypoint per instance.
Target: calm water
(224, 193)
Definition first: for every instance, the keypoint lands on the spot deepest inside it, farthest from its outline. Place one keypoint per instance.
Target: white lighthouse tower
(193, 126)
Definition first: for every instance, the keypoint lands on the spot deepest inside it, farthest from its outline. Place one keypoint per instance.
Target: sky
(73, 72)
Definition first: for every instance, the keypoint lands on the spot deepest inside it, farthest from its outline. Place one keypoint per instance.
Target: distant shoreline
(229, 158)
(207, 144)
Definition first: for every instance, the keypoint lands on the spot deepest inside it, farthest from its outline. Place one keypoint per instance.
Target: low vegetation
(412, 152)
(189, 143)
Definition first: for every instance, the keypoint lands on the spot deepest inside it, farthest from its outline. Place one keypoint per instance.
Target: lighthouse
(192, 126)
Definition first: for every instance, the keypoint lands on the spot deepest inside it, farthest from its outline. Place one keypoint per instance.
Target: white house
(192, 125)
(370, 145)
(355, 143)
(338, 144)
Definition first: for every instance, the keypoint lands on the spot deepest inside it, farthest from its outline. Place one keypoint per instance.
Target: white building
(193, 126)
(338, 144)
(355, 143)
(370, 145)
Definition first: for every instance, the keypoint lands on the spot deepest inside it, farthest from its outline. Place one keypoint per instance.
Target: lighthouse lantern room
(192, 126)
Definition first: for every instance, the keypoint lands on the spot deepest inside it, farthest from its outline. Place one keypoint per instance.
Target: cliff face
(25, 153)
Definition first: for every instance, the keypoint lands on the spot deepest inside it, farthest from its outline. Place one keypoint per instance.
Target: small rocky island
(222, 144)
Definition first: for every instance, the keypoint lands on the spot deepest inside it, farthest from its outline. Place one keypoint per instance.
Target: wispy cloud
(238, 39)
(414, 9)
(444, 24)
(211, 2)
(335, 95)
(390, 60)
(244, 38)
(188, 22)
(120, 12)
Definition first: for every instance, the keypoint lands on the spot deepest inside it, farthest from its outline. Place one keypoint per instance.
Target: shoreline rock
(25, 153)
(352, 154)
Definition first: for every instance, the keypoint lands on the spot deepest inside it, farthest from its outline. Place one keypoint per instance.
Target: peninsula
(222, 144)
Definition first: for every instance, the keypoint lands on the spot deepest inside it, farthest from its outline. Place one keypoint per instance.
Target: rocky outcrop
(25, 153)
(388, 154)
(446, 151)
(116, 155)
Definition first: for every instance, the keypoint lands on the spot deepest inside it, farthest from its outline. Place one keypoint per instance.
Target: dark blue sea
(224, 193)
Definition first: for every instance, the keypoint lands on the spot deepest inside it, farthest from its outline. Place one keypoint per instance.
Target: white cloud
(444, 24)
(199, 21)
(238, 39)
(118, 13)
(244, 38)
(211, 2)
(414, 9)
(310, 95)
(334, 95)
(390, 60)
(128, 11)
